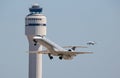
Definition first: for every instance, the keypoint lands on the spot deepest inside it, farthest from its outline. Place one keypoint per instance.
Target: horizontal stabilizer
(75, 47)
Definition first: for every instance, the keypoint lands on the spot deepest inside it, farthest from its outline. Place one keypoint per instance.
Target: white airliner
(55, 50)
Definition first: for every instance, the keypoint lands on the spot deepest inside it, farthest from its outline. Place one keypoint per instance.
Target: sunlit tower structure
(35, 25)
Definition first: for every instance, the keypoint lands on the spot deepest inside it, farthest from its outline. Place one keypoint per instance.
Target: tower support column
(35, 60)
(39, 64)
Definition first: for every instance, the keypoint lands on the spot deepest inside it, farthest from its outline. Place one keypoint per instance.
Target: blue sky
(70, 22)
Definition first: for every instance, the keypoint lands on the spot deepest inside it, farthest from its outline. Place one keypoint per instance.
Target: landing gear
(35, 42)
(60, 57)
(69, 50)
(51, 57)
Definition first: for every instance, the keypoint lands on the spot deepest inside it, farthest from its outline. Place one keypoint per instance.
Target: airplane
(55, 50)
(91, 43)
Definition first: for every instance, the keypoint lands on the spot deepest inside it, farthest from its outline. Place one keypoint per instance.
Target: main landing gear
(60, 57)
(51, 57)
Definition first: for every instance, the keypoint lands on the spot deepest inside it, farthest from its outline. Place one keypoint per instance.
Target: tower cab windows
(33, 19)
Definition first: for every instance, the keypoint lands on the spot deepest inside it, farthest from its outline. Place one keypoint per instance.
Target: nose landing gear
(35, 42)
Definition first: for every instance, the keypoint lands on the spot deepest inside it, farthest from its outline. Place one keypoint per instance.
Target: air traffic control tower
(35, 25)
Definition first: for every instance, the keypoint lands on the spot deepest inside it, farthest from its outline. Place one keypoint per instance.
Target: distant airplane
(55, 50)
(91, 43)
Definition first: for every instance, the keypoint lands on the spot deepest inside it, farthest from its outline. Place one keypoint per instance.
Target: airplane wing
(60, 52)
(72, 53)
(67, 55)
